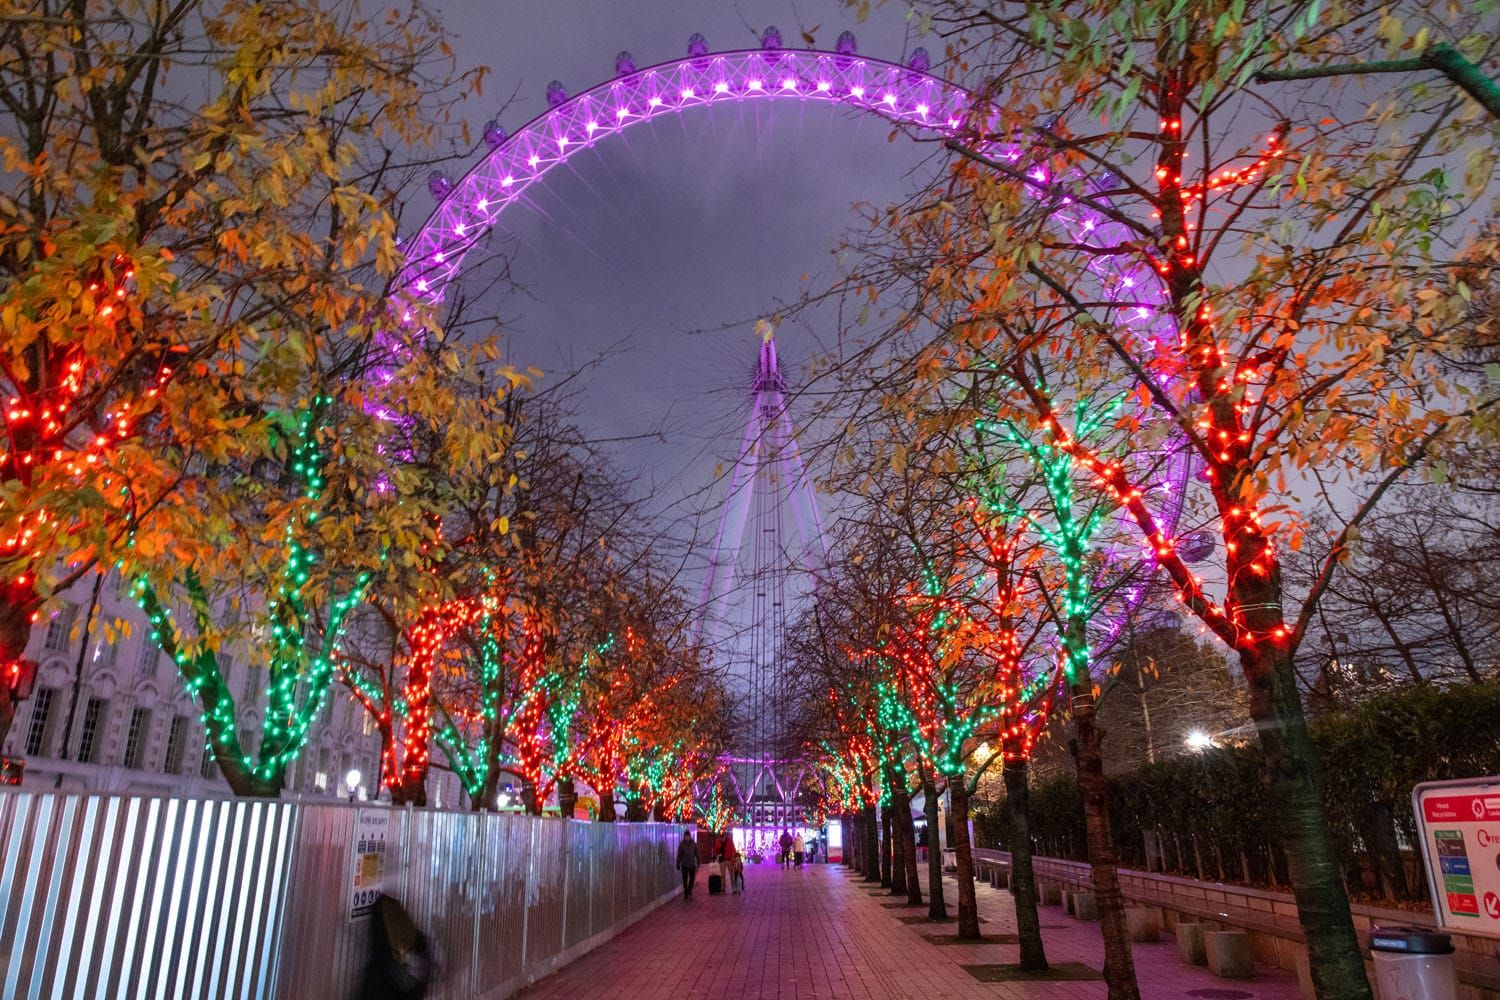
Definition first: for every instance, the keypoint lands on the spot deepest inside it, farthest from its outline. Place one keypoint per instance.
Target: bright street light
(351, 782)
(1199, 740)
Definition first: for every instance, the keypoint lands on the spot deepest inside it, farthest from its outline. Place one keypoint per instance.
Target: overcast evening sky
(660, 248)
(664, 245)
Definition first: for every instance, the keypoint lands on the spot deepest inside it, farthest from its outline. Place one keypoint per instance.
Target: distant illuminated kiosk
(769, 487)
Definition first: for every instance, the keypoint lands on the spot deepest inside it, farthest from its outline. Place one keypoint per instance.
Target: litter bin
(1413, 963)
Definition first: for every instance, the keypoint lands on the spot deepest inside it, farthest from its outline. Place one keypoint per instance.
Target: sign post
(1459, 825)
(367, 869)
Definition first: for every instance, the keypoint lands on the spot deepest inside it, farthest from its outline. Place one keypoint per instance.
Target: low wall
(174, 897)
(1269, 916)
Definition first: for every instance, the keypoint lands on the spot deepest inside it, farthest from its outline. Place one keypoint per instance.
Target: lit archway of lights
(906, 95)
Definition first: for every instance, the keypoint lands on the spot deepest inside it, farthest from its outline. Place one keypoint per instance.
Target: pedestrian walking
(687, 863)
(731, 864)
(799, 849)
(786, 847)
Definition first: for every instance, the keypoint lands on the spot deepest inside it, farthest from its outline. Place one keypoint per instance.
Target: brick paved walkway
(821, 933)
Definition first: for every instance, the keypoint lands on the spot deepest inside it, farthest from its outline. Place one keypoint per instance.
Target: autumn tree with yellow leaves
(197, 239)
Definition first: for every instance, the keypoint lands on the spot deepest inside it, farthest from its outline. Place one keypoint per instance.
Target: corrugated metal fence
(129, 896)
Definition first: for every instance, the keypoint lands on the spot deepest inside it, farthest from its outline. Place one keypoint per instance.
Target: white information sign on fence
(367, 867)
(1459, 823)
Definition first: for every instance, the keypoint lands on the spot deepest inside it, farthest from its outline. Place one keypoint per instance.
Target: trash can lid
(1411, 940)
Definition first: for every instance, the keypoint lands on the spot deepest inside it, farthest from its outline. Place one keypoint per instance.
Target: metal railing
(135, 897)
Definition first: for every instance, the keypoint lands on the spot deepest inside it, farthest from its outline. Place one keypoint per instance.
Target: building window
(60, 629)
(91, 737)
(206, 768)
(108, 652)
(136, 737)
(41, 715)
(149, 658)
(177, 737)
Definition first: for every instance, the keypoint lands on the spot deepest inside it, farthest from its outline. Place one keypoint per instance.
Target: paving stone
(816, 934)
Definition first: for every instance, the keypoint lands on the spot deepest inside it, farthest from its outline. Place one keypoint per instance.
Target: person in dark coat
(687, 862)
(400, 965)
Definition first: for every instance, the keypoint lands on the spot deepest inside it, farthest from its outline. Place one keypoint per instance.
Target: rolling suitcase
(716, 881)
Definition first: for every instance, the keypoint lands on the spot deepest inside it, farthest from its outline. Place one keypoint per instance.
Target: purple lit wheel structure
(469, 206)
(903, 94)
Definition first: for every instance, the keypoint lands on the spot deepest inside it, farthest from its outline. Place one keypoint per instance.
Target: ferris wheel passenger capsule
(494, 135)
(624, 64)
(556, 93)
(697, 45)
(438, 185)
(770, 40)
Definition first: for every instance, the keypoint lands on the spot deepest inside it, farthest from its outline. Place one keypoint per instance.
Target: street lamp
(351, 782)
(1198, 740)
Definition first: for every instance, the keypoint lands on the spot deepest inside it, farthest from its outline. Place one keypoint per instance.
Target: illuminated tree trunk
(906, 836)
(17, 602)
(898, 860)
(885, 847)
(1295, 774)
(635, 807)
(417, 743)
(607, 805)
(567, 797)
(386, 777)
(486, 794)
(968, 901)
(1022, 874)
(937, 908)
(7, 712)
(872, 844)
(1119, 966)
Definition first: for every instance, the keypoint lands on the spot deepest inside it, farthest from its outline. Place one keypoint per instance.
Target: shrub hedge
(1212, 814)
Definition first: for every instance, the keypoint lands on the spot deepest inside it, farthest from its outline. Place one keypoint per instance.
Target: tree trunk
(1387, 852)
(885, 847)
(243, 781)
(906, 836)
(1119, 966)
(489, 789)
(7, 713)
(567, 798)
(1295, 774)
(17, 603)
(529, 798)
(872, 845)
(937, 909)
(1022, 874)
(968, 901)
(77, 686)
(635, 807)
(898, 853)
(607, 805)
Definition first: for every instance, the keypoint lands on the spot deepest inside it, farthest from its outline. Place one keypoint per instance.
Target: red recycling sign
(1459, 822)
